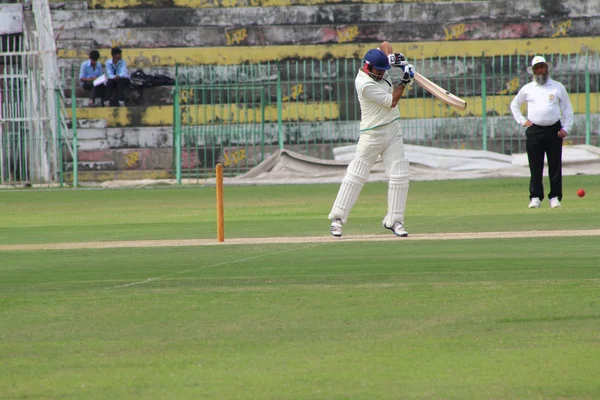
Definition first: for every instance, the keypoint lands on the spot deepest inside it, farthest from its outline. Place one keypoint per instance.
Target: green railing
(26, 155)
(218, 123)
(234, 114)
(310, 106)
(67, 138)
(33, 139)
(240, 114)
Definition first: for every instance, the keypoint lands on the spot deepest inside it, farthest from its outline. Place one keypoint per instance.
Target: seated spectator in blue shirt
(89, 71)
(118, 78)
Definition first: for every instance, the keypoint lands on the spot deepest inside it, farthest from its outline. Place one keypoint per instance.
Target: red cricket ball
(581, 193)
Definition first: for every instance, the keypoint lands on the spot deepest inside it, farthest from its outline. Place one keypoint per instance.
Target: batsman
(380, 134)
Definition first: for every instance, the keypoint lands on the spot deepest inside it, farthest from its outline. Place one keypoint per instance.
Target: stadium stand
(157, 35)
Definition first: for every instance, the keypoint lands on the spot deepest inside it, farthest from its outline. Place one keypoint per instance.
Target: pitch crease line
(300, 240)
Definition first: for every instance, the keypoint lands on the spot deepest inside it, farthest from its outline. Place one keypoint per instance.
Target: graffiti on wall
(233, 156)
(236, 36)
(295, 91)
(121, 41)
(561, 28)
(512, 86)
(186, 95)
(132, 160)
(454, 31)
(347, 33)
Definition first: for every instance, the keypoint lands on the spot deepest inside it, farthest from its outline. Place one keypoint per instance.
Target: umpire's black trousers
(544, 140)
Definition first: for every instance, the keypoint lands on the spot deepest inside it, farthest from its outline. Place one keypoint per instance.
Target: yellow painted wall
(120, 116)
(237, 114)
(320, 111)
(107, 4)
(140, 58)
(207, 114)
(99, 176)
(495, 106)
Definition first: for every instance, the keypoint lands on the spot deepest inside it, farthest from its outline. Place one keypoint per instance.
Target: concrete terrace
(157, 35)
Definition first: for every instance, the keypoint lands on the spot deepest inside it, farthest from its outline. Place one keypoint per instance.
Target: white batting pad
(353, 182)
(397, 192)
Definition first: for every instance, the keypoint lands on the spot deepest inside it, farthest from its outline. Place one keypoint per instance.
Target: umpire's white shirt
(545, 104)
(375, 98)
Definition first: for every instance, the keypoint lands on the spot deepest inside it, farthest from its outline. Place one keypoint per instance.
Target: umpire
(549, 120)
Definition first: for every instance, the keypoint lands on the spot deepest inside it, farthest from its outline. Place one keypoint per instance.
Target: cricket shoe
(554, 202)
(336, 227)
(397, 228)
(535, 202)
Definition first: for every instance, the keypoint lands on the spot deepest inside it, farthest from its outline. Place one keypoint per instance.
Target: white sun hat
(539, 60)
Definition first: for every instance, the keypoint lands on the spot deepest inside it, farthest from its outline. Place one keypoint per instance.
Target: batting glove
(408, 77)
(397, 60)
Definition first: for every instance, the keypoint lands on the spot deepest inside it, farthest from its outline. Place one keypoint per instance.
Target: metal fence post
(59, 135)
(279, 109)
(262, 124)
(1, 137)
(177, 129)
(483, 104)
(588, 117)
(74, 130)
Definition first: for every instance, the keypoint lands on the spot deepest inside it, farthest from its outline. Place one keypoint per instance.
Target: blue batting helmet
(377, 59)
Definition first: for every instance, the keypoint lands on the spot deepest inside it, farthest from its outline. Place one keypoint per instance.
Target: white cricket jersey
(546, 104)
(375, 98)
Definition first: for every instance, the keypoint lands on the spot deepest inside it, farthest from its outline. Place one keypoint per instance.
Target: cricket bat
(440, 92)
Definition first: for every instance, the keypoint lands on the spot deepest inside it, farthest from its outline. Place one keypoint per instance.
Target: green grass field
(406, 319)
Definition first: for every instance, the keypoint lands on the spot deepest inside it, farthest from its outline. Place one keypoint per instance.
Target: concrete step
(75, 43)
(80, 102)
(197, 158)
(303, 71)
(134, 96)
(194, 56)
(206, 113)
(275, 35)
(439, 14)
(69, 5)
(338, 14)
(102, 176)
(84, 166)
(83, 123)
(70, 67)
(117, 138)
(300, 80)
(124, 159)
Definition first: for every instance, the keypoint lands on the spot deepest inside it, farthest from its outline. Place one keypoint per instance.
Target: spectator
(118, 78)
(89, 71)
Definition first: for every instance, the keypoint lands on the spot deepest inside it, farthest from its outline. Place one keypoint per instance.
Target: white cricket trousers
(387, 142)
